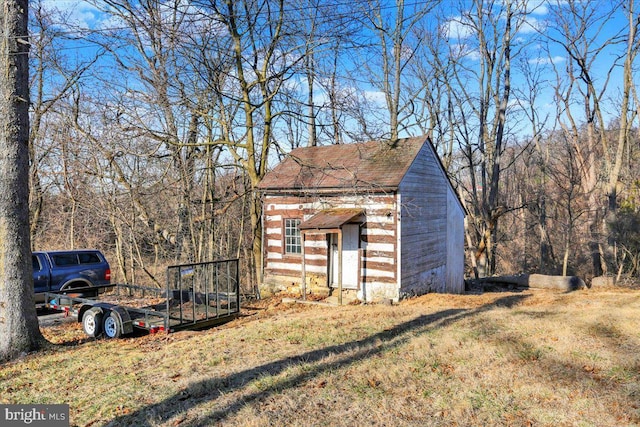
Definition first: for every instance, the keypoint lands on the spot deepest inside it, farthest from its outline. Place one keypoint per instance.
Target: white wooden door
(350, 244)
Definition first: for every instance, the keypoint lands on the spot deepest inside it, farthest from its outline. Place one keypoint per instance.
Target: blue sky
(537, 53)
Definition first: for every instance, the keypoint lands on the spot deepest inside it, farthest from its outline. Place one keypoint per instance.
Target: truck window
(36, 263)
(89, 258)
(62, 260)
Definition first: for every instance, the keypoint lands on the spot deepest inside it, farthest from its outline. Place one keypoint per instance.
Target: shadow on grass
(337, 356)
(585, 375)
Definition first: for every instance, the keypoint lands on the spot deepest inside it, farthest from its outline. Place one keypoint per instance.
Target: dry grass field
(533, 358)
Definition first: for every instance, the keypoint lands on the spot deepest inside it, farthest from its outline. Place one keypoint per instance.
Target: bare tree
(19, 330)
(154, 106)
(628, 115)
(388, 59)
(264, 52)
(483, 95)
(435, 102)
(536, 195)
(327, 32)
(579, 31)
(52, 79)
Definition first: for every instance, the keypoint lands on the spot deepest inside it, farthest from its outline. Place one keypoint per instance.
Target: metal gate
(203, 293)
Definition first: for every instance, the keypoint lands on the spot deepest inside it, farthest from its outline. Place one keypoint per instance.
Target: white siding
(455, 245)
(380, 247)
(426, 246)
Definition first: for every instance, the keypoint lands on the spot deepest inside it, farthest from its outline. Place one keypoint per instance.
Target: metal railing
(202, 292)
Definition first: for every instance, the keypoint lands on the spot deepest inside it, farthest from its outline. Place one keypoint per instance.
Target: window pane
(36, 263)
(65, 259)
(292, 241)
(89, 258)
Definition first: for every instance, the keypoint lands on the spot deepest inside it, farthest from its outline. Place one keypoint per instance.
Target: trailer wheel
(112, 325)
(92, 322)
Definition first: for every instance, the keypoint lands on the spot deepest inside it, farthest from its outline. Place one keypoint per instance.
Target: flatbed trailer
(196, 296)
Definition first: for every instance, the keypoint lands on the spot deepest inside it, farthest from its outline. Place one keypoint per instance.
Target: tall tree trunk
(623, 131)
(312, 111)
(19, 330)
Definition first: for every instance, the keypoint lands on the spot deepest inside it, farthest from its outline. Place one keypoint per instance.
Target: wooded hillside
(152, 122)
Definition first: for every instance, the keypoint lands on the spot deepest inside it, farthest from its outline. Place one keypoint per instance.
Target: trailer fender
(117, 322)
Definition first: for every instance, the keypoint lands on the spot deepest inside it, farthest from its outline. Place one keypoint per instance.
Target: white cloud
(458, 28)
(462, 50)
(546, 60)
(375, 97)
(462, 28)
(538, 7)
(531, 25)
(77, 12)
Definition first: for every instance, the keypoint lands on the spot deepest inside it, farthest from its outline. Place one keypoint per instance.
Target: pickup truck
(67, 270)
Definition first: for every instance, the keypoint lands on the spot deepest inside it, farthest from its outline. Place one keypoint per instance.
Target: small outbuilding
(380, 220)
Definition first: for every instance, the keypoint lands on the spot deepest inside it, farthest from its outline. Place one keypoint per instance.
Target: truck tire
(112, 325)
(92, 322)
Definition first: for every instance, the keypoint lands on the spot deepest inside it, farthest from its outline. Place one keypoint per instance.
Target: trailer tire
(92, 322)
(112, 325)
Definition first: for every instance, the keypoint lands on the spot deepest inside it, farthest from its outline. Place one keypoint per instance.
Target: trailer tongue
(196, 296)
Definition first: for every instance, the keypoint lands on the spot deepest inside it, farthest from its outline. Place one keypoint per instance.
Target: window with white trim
(292, 240)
